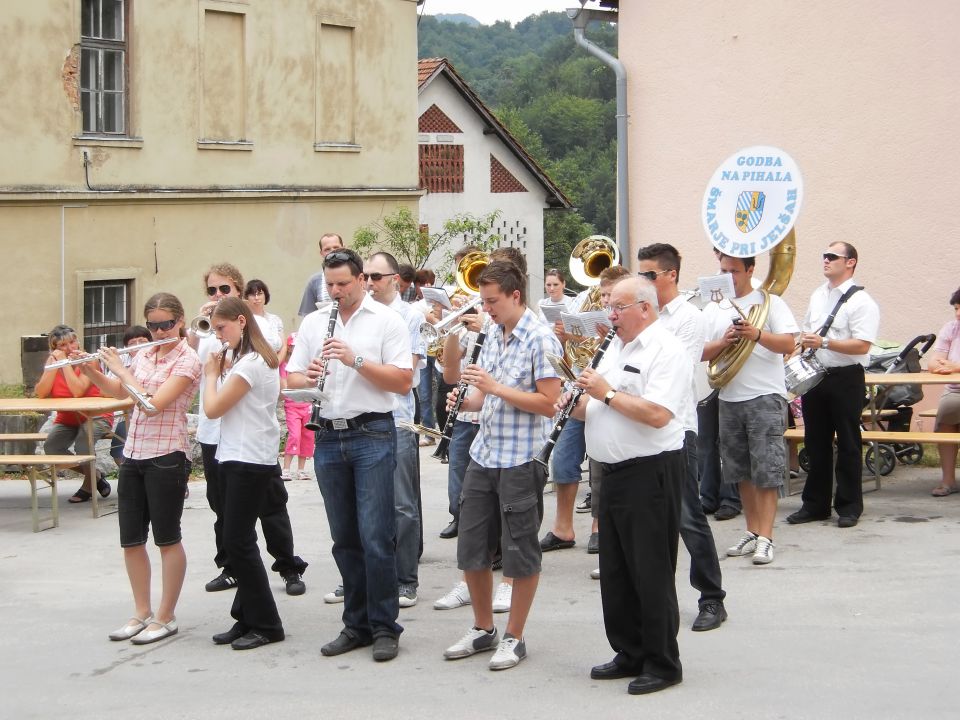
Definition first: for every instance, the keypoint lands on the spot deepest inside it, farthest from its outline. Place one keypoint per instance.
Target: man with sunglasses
(833, 406)
(224, 280)
(660, 263)
(316, 289)
(383, 275)
(367, 362)
(632, 408)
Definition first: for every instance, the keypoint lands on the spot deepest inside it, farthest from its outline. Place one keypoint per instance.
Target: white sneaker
(747, 544)
(476, 640)
(764, 551)
(509, 653)
(332, 598)
(502, 598)
(457, 597)
(408, 596)
(595, 574)
(303, 475)
(285, 475)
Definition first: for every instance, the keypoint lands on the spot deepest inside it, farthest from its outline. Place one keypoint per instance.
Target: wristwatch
(825, 344)
(609, 396)
(357, 362)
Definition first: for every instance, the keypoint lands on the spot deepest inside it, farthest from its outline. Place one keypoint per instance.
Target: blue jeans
(425, 393)
(714, 494)
(695, 531)
(459, 453)
(567, 457)
(406, 500)
(355, 473)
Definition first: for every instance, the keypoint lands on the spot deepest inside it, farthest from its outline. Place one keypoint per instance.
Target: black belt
(843, 369)
(353, 423)
(616, 467)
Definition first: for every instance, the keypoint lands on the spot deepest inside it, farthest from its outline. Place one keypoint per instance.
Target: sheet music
(585, 323)
(552, 311)
(714, 288)
(436, 295)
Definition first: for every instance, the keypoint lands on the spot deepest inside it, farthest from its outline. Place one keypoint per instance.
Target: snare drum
(802, 373)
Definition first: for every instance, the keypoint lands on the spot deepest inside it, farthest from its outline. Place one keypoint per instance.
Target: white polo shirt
(374, 332)
(249, 431)
(654, 366)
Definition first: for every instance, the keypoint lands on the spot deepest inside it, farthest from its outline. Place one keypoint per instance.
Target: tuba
(467, 278)
(590, 257)
(727, 364)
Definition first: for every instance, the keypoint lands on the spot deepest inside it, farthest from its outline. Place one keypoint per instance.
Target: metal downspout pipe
(582, 17)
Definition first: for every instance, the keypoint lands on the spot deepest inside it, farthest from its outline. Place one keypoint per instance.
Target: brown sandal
(79, 496)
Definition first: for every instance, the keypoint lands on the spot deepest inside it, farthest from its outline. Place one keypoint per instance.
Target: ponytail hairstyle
(168, 302)
(252, 340)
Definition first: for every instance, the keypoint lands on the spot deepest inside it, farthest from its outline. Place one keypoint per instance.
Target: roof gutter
(582, 17)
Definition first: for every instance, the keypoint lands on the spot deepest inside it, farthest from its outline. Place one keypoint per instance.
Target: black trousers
(834, 406)
(695, 530)
(274, 518)
(640, 522)
(247, 488)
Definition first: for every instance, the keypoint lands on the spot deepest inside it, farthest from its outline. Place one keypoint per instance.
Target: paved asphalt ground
(857, 623)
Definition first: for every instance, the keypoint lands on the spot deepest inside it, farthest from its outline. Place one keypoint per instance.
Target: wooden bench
(33, 465)
(23, 437)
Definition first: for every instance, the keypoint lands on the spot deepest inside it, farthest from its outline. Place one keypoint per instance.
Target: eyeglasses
(339, 257)
(651, 275)
(212, 290)
(618, 309)
(255, 293)
(162, 325)
(377, 277)
(830, 257)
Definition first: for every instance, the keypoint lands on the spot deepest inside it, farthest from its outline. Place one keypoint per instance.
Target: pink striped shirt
(150, 437)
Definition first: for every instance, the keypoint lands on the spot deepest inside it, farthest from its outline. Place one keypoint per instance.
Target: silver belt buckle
(340, 424)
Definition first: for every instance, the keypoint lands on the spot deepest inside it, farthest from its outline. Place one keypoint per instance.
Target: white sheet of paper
(436, 295)
(712, 285)
(584, 324)
(552, 311)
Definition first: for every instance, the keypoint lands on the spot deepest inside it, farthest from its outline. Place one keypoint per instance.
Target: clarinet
(314, 422)
(447, 432)
(544, 457)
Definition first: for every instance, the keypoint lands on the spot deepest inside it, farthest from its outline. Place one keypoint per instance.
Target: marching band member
(632, 407)
(152, 476)
(514, 387)
(224, 280)
(368, 360)
(244, 396)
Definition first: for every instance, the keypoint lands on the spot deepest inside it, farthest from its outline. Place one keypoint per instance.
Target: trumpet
(314, 422)
(201, 327)
(120, 351)
(435, 332)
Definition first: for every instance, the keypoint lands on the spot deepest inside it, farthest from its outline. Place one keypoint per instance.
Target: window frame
(99, 329)
(100, 47)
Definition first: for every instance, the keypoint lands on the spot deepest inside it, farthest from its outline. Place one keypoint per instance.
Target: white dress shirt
(858, 317)
(687, 324)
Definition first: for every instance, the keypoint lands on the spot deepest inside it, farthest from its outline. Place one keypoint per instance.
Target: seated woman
(68, 429)
(946, 361)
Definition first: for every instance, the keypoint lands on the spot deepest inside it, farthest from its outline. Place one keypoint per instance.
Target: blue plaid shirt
(509, 437)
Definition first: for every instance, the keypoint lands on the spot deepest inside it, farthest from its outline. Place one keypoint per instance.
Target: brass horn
(590, 257)
(724, 367)
(468, 272)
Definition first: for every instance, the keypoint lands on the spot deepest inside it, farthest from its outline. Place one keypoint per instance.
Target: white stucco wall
(521, 216)
(863, 95)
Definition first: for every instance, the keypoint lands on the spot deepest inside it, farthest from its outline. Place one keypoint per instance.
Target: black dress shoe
(804, 516)
(611, 671)
(647, 683)
(846, 521)
(451, 530)
(343, 644)
(725, 512)
(234, 633)
(385, 647)
(252, 640)
(593, 544)
(712, 614)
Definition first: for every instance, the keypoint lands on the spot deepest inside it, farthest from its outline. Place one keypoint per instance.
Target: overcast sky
(489, 11)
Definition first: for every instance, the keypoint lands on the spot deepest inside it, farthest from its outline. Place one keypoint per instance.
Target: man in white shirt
(367, 363)
(635, 436)
(316, 289)
(382, 273)
(753, 404)
(833, 406)
(660, 264)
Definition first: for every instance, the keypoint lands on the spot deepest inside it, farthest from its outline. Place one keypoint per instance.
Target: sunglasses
(830, 257)
(162, 325)
(377, 277)
(651, 275)
(212, 290)
(341, 256)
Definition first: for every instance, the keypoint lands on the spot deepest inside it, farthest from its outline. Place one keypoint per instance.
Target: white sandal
(149, 636)
(128, 630)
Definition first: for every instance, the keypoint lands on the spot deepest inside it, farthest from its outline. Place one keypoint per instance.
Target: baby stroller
(900, 398)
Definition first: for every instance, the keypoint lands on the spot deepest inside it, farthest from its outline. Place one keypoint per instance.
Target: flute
(314, 422)
(544, 457)
(120, 351)
(447, 432)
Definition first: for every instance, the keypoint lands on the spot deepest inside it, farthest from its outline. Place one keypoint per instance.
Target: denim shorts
(515, 497)
(752, 447)
(567, 457)
(150, 492)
